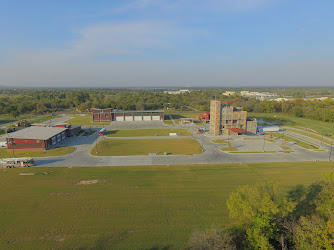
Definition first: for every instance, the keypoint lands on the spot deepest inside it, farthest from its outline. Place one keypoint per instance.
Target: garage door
(138, 118)
(156, 118)
(119, 118)
(147, 118)
(129, 118)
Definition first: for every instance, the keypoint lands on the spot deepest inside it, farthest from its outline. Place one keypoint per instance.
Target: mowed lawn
(125, 147)
(85, 120)
(146, 132)
(8, 153)
(142, 207)
(319, 126)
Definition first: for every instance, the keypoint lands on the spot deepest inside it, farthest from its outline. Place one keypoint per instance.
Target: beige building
(229, 120)
(228, 93)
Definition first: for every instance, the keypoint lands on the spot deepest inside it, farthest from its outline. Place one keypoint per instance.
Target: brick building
(36, 137)
(110, 114)
(230, 120)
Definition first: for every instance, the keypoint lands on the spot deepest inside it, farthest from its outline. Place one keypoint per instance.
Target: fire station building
(35, 137)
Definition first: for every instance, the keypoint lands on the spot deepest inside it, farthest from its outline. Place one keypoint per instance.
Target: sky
(167, 43)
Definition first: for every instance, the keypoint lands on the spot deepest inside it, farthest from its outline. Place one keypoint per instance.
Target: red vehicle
(102, 131)
(17, 162)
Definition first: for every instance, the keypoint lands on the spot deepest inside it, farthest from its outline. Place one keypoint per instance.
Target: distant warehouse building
(110, 114)
(36, 137)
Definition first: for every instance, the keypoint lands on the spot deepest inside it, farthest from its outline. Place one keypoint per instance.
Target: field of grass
(311, 135)
(319, 126)
(146, 146)
(8, 153)
(146, 132)
(142, 207)
(85, 120)
(43, 119)
(176, 117)
(300, 143)
(221, 141)
(7, 118)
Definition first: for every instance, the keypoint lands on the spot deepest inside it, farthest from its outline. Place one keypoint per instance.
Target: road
(211, 154)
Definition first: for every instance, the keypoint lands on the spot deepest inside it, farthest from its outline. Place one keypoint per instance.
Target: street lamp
(330, 151)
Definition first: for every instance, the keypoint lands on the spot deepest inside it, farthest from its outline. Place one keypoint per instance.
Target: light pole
(97, 151)
(264, 140)
(322, 137)
(330, 152)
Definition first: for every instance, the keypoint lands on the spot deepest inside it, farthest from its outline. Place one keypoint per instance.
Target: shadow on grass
(305, 198)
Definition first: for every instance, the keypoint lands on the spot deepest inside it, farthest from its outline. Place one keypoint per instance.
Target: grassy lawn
(146, 146)
(221, 141)
(228, 148)
(142, 207)
(319, 126)
(43, 119)
(298, 142)
(255, 152)
(7, 118)
(8, 153)
(311, 135)
(85, 120)
(176, 117)
(146, 132)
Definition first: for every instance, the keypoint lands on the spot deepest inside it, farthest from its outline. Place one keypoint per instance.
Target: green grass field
(146, 132)
(146, 146)
(142, 207)
(85, 120)
(311, 135)
(8, 153)
(176, 117)
(6, 118)
(300, 143)
(319, 126)
(43, 119)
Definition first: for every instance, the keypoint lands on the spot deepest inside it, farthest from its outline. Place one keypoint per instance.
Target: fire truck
(16, 162)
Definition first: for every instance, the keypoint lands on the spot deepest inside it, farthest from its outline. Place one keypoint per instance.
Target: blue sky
(115, 43)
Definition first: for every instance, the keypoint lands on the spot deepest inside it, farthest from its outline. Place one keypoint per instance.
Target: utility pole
(322, 137)
(97, 151)
(330, 151)
(264, 140)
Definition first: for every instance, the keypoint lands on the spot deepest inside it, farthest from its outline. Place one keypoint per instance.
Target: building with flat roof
(132, 115)
(35, 137)
(229, 120)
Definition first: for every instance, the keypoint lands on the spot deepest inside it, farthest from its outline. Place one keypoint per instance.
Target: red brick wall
(25, 143)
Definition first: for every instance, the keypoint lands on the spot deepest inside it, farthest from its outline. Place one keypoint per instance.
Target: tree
(259, 208)
(211, 239)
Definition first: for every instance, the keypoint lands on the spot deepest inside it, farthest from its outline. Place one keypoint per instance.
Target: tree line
(40, 101)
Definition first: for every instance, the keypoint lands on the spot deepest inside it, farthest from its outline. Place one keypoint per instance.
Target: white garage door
(129, 118)
(156, 118)
(147, 118)
(119, 118)
(138, 118)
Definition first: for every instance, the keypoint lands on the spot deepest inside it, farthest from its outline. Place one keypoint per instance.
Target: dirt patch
(89, 182)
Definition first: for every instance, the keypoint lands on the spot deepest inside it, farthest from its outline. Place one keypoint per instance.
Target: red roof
(237, 130)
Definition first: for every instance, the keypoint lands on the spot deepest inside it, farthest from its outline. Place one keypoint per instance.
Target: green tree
(259, 208)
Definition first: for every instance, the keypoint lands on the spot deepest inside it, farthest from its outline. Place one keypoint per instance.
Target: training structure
(102, 115)
(230, 120)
